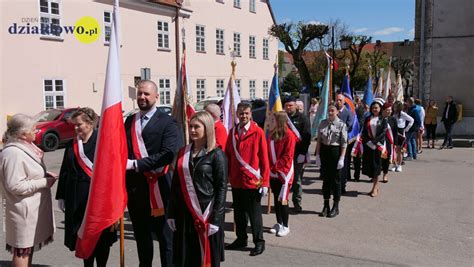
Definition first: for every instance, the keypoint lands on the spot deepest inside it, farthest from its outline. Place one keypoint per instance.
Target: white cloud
(361, 30)
(314, 22)
(411, 33)
(388, 31)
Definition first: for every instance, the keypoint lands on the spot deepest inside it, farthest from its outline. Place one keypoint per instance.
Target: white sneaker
(394, 168)
(284, 231)
(399, 168)
(276, 228)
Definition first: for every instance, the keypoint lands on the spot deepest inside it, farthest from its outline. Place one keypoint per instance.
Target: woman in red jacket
(281, 148)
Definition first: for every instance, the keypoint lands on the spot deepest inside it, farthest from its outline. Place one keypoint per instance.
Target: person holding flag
(249, 175)
(152, 139)
(198, 194)
(74, 182)
(281, 148)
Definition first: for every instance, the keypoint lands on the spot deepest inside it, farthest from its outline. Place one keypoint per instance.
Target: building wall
(27, 59)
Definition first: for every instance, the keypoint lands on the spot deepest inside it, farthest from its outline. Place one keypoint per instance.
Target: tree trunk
(304, 73)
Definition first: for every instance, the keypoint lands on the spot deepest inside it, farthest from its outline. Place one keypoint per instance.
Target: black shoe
(325, 211)
(442, 146)
(297, 208)
(237, 244)
(334, 211)
(450, 147)
(259, 249)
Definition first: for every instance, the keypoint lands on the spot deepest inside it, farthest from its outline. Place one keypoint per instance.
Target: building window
(163, 35)
(107, 26)
(265, 89)
(252, 6)
(265, 48)
(200, 39)
(237, 3)
(53, 94)
(50, 18)
(200, 89)
(252, 47)
(220, 41)
(220, 87)
(165, 91)
(237, 44)
(237, 83)
(252, 89)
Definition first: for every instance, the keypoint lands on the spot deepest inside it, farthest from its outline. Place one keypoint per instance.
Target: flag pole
(122, 250)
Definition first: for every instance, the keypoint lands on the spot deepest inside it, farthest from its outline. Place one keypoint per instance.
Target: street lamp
(345, 42)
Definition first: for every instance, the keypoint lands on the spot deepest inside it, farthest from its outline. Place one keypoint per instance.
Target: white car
(210, 100)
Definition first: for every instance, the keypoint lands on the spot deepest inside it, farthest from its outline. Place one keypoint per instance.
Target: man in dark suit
(346, 116)
(303, 127)
(152, 144)
(449, 117)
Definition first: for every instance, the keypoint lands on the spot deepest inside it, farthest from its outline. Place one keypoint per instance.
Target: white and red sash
(201, 221)
(83, 161)
(358, 148)
(285, 188)
(139, 150)
(256, 173)
(379, 146)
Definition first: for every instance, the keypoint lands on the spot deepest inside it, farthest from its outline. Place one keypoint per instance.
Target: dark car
(54, 128)
(259, 111)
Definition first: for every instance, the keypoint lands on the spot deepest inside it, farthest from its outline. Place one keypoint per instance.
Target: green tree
(295, 39)
(291, 84)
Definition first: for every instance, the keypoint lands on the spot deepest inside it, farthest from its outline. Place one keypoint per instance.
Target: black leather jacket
(209, 173)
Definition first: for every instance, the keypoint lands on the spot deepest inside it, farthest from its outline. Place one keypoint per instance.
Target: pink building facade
(51, 70)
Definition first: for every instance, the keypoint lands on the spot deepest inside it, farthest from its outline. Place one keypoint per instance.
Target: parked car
(54, 128)
(210, 100)
(168, 109)
(259, 111)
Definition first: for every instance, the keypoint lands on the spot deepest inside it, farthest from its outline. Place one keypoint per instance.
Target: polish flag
(107, 193)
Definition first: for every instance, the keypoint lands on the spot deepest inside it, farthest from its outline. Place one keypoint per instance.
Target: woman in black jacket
(373, 137)
(74, 182)
(390, 140)
(198, 192)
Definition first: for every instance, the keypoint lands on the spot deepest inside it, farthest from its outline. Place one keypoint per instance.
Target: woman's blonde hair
(18, 125)
(281, 120)
(207, 120)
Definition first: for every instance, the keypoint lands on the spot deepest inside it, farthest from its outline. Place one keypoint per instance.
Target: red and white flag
(107, 193)
(183, 110)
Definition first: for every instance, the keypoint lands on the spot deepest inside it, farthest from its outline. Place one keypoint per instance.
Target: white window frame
(252, 47)
(220, 87)
(237, 44)
(252, 89)
(238, 83)
(237, 4)
(252, 6)
(107, 25)
(54, 93)
(200, 38)
(265, 48)
(164, 34)
(164, 89)
(50, 17)
(200, 89)
(265, 85)
(220, 41)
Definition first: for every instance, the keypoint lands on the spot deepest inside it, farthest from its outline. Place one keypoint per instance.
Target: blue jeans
(411, 142)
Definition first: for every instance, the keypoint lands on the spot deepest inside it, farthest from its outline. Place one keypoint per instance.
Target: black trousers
(247, 203)
(101, 251)
(144, 225)
(331, 175)
(357, 167)
(430, 131)
(282, 212)
(448, 138)
(346, 170)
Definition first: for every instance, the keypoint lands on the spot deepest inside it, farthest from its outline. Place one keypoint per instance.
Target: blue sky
(386, 20)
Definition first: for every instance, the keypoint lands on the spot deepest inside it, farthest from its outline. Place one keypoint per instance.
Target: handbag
(401, 138)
